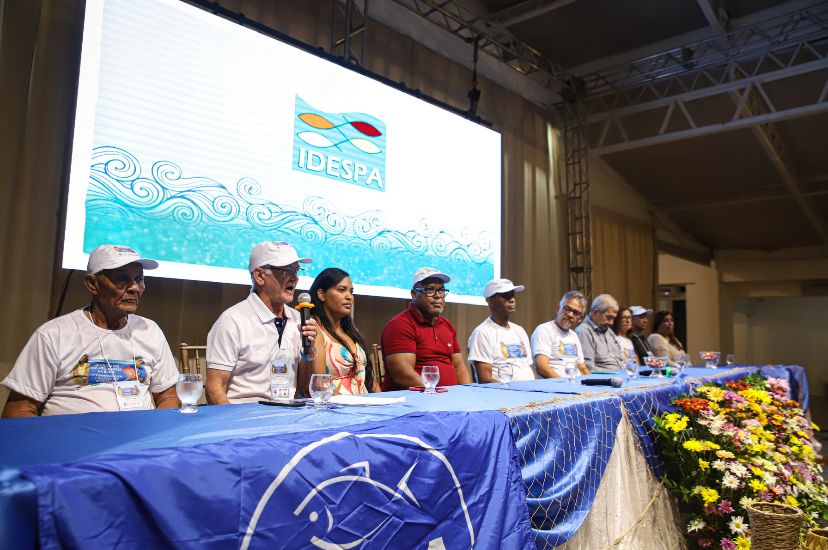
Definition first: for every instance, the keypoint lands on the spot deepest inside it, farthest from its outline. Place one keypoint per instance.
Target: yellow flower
(703, 464)
(708, 495)
(680, 424)
(757, 485)
(814, 426)
(754, 395)
(756, 471)
(713, 393)
(791, 500)
(795, 440)
(725, 454)
(742, 543)
(694, 445)
(711, 446)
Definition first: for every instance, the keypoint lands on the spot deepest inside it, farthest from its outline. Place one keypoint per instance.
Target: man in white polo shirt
(101, 357)
(254, 350)
(496, 339)
(554, 343)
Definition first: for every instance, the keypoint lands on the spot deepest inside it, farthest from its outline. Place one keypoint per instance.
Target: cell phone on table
(285, 402)
(438, 389)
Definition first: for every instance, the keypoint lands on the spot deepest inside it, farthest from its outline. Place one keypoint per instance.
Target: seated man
(554, 343)
(419, 336)
(101, 357)
(497, 339)
(602, 352)
(254, 350)
(640, 320)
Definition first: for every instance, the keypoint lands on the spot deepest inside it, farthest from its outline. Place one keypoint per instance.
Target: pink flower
(725, 507)
(711, 510)
(727, 544)
(704, 543)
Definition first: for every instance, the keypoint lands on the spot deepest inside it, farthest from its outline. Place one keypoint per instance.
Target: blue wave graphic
(197, 220)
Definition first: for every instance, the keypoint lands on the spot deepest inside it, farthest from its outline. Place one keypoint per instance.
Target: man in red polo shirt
(419, 336)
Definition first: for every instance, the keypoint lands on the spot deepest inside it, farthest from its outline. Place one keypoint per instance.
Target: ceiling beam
(756, 195)
(526, 10)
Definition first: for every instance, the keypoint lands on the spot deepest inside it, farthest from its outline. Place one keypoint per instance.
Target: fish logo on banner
(401, 494)
(346, 147)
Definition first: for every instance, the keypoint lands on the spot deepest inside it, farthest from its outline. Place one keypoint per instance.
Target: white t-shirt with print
(70, 364)
(627, 349)
(490, 341)
(244, 340)
(549, 340)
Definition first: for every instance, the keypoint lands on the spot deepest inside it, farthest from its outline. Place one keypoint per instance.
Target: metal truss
(682, 69)
(347, 24)
(493, 39)
(576, 189)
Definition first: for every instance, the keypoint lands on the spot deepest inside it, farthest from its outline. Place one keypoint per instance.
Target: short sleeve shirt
(490, 341)
(70, 364)
(244, 340)
(550, 340)
(409, 332)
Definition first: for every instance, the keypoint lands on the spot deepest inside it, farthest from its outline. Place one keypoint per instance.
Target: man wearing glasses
(602, 352)
(554, 343)
(420, 335)
(102, 357)
(254, 350)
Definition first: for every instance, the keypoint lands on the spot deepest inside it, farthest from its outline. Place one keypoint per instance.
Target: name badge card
(131, 395)
(279, 377)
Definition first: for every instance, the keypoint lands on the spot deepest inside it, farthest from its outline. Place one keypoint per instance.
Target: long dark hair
(327, 278)
(616, 325)
(658, 319)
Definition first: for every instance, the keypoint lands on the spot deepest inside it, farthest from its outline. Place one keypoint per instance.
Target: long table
(477, 465)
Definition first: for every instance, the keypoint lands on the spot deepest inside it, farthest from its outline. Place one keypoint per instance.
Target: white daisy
(720, 465)
(729, 481)
(744, 502)
(695, 525)
(738, 526)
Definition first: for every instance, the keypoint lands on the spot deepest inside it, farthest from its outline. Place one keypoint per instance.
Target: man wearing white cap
(640, 320)
(496, 339)
(254, 350)
(102, 357)
(419, 336)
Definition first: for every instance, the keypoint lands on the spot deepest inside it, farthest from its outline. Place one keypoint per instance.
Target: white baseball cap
(113, 256)
(499, 286)
(277, 254)
(428, 273)
(638, 310)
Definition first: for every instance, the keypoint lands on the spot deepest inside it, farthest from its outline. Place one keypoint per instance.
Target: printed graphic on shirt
(569, 350)
(512, 351)
(89, 372)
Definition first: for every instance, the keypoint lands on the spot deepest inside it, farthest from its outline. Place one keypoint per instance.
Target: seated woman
(662, 340)
(622, 326)
(340, 349)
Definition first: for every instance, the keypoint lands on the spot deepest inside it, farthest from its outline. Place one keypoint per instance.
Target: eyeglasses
(289, 271)
(123, 281)
(573, 312)
(429, 291)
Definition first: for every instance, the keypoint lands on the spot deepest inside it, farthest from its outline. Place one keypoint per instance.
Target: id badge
(279, 377)
(131, 395)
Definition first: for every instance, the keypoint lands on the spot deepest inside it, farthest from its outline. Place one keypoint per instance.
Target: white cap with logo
(638, 310)
(499, 286)
(113, 256)
(429, 273)
(277, 254)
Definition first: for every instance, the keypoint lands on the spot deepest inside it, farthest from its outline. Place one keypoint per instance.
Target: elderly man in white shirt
(498, 340)
(99, 358)
(555, 343)
(254, 350)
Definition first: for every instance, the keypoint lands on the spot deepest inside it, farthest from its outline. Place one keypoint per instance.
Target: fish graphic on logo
(346, 147)
(335, 506)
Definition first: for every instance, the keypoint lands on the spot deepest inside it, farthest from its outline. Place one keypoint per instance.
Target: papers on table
(363, 401)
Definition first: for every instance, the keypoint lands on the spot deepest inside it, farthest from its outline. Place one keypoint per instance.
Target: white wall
(702, 296)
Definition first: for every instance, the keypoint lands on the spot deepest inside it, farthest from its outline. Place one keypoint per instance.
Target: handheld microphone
(615, 382)
(304, 306)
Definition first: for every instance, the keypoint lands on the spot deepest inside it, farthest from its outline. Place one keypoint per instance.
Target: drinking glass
(571, 369)
(431, 376)
(730, 359)
(321, 389)
(504, 373)
(189, 388)
(631, 366)
(710, 358)
(683, 361)
(657, 363)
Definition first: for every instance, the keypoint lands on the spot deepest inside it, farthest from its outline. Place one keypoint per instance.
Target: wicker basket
(817, 539)
(774, 526)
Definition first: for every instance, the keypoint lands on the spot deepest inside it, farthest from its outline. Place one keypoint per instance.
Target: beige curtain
(38, 72)
(623, 258)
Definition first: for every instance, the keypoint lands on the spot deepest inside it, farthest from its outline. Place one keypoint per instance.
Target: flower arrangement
(728, 446)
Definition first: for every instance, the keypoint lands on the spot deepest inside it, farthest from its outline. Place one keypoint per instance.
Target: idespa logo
(348, 147)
